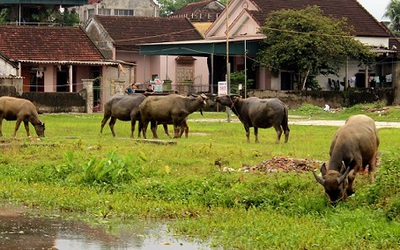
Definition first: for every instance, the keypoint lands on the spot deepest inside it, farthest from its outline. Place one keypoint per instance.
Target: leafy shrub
(385, 191)
(112, 170)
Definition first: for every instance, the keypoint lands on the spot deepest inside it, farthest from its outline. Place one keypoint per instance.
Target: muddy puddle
(21, 228)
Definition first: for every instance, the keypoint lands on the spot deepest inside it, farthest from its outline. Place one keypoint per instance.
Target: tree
(4, 15)
(393, 13)
(307, 43)
(68, 18)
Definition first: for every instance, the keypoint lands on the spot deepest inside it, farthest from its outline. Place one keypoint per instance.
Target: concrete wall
(334, 99)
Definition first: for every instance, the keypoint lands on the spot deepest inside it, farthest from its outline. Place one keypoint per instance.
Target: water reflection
(22, 230)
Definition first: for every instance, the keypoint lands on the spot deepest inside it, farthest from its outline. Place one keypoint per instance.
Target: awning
(93, 63)
(202, 47)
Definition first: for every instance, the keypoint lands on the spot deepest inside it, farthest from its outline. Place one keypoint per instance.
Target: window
(105, 12)
(119, 12)
(90, 12)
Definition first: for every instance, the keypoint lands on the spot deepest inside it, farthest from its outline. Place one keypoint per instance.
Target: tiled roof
(206, 10)
(127, 31)
(47, 44)
(362, 21)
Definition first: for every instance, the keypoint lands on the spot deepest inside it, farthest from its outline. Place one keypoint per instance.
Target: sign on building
(222, 88)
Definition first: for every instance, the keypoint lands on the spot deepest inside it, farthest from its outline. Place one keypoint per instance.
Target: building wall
(110, 7)
(6, 68)
(100, 38)
(374, 41)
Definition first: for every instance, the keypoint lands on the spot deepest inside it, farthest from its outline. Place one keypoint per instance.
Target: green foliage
(4, 15)
(385, 191)
(238, 78)
(112, 170)
(393, 13)
(307, 43)
(68, 18)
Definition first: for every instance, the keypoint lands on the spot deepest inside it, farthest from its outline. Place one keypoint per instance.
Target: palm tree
(393, 13)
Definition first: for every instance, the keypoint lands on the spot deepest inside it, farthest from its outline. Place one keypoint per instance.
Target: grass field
(101, 178)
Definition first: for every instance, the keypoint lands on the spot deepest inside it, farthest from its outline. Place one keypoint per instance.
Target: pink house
(243, 19)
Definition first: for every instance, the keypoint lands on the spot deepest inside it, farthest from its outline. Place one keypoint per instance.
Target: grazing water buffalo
(124, 108)
(259, 113)
(354, 145)
(21, 110)
(171, 109)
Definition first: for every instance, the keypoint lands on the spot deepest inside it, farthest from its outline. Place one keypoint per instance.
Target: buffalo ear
(323, 169)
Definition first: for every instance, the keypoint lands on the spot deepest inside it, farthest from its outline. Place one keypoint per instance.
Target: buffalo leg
(351, 177)
(153, 125)
(111, 124)
(278, 133)
(371, 168)
(165, 126)
(177, 131)
(103, 122)
(140, 128)
(16, 127)
(1, 125)
(184, 129)
(286, 130)
(26, 124)
(247, 133)
(354, 165)
(256, 134)
(133, 121)
(144, 128)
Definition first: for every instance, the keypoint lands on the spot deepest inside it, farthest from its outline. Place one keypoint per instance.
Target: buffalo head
(334, 182)
(228, 100)
(39, 128)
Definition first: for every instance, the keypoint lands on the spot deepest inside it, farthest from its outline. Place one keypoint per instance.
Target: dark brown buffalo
(21, 110)
(171, 109)
(259, 113)
(354, 145)
(124, 108)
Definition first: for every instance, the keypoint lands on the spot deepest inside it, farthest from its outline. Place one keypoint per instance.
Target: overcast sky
(376, 7)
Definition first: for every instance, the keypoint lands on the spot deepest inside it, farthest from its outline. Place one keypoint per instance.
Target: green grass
(76, 170)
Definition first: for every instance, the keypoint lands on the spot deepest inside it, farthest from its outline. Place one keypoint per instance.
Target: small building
(59, 59)
(119, 37)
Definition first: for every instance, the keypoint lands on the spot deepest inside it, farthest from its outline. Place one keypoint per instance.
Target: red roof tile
(362, 21)
(127, 32)
(209, 9)
(47, 43)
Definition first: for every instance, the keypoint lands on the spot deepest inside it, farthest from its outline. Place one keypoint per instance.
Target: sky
(376, 7)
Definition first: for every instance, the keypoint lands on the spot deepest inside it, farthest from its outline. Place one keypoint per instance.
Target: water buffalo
(170, 109)
(258, 113)
(21, 110)
(354, 145)
(124, 108)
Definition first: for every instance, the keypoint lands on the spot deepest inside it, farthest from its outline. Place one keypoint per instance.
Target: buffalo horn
(318, 178)
(341, 178)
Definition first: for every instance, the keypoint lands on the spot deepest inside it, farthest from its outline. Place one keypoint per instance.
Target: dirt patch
(278, 164)
(283, 164)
